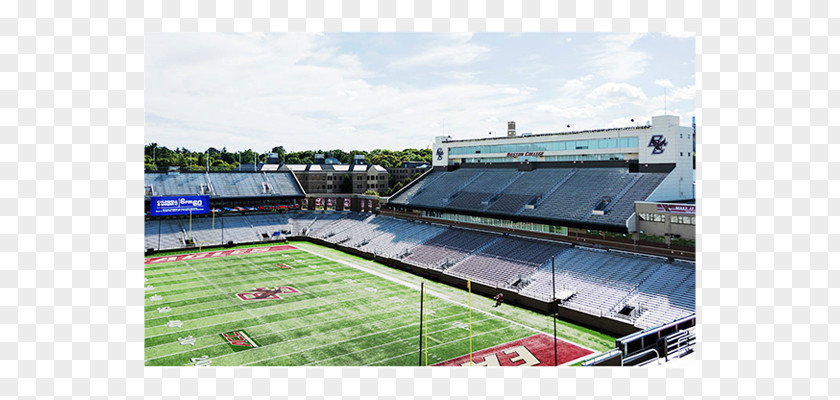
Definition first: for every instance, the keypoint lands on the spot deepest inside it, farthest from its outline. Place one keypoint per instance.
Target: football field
(308, 305)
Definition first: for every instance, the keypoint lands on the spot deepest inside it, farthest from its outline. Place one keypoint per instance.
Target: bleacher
(549, 193)
(471, 196)
(224, 184)
(601, 283)
(176, 184)
(440, 192)
(449, 247)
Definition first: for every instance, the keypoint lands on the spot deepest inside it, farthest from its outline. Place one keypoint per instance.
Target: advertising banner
(675, 209)
(180, 205)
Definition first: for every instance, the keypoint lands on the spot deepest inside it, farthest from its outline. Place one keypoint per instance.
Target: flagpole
(469, 288)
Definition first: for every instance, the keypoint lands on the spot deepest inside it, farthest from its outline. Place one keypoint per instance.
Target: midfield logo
(272, 293)
(239, 340)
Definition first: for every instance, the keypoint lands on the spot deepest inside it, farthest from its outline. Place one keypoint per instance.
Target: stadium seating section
(602, 283)
(560, 194)
(223, 184)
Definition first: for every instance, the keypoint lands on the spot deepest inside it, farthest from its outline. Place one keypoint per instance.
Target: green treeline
(160, 157)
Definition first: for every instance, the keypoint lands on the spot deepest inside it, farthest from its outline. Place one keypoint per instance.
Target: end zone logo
(658, 143)
(536, 350)
(272, 293)
(239, 340)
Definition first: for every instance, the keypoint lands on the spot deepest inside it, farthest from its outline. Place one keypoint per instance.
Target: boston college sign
(534, 154)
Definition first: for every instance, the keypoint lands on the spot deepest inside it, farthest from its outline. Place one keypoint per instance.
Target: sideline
(436, 294)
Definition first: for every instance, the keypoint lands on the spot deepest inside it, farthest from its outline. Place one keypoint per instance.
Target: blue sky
(398, 90)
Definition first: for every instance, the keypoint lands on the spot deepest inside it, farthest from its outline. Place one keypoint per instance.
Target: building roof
(533, 135)
(333, 167)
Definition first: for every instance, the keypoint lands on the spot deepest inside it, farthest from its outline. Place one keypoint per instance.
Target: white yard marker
(150, 287)
(174, 324)
(156, 297)
(202, 361)
(189, 340)
(164, 309)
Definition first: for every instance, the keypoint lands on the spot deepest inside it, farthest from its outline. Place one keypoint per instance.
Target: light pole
(554, 309)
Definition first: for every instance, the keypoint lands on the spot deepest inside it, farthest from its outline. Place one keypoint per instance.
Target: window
(682, 219)
(651, 217)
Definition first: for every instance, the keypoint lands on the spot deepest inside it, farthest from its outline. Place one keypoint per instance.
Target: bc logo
(440, 153)
(658, 143)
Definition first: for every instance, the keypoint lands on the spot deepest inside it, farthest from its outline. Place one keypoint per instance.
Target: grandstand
(600, 283)
(224, 184)
(563, 195)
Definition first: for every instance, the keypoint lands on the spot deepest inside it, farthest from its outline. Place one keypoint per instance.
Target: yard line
(232, 285)
(220, 289)
(413, 286)
(398, 341)
(289, 330)
(447, 343)
(170, 316)
(306, 289)
(242, 319)
(343, 341)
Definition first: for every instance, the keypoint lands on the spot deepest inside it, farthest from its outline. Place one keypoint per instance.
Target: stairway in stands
(549, 192)
(501, 189)
(478, 250)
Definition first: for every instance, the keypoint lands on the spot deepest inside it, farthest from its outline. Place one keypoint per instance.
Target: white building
(660, 144)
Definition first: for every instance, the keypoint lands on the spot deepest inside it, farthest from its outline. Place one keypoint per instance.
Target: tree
(347, 184)
(397, 187)
(279, 150)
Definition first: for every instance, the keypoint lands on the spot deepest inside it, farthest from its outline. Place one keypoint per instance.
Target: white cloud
(575, 86)
(306, 91)
(614, 58)
(617, 92)
(454, 50)
(664, 83)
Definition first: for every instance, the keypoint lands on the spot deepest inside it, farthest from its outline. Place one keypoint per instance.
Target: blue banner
(180, 205)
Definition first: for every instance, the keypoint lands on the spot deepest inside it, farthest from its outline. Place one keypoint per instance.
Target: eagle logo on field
(440, 153)
(658, 143)
(272, 293)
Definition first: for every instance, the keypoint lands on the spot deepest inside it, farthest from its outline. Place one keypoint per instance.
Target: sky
(365, 91)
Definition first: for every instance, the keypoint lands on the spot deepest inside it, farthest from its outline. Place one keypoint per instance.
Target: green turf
(343, 315)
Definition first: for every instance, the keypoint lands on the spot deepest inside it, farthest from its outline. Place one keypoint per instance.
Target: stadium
(246, 268)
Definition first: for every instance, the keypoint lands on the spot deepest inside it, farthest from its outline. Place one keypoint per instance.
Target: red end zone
(534, 350)
(223, 253)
